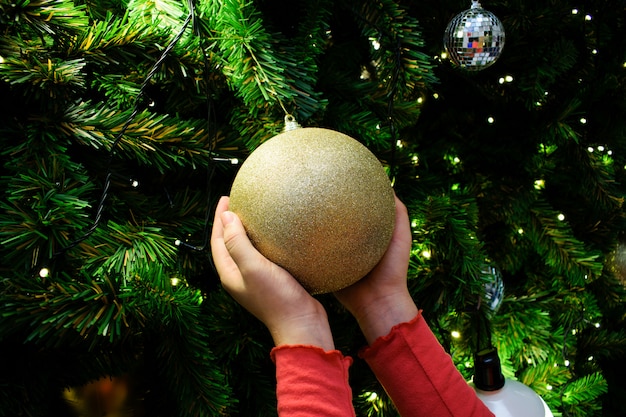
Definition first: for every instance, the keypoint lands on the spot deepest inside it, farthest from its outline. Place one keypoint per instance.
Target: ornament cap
(291, 123)
(476, 4)
(487, 370)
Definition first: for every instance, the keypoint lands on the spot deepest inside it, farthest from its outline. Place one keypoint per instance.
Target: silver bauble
(474, 39)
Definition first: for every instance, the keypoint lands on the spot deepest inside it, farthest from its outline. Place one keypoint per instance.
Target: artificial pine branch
(115, 41)
(57, 150)
(121, 250)
(167, 13)
(402, 66)
(241, 346)
(445, 226)
(63, 311)
(180, 345)
(249, 58)
(44, 17)
(560, 249)
(527, 338)
(151, 139)
(579, 396)
(43, 205)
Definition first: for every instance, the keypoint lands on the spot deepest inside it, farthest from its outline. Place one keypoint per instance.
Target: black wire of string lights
(210, 117)
(41, 268)
(390, 110)
(391, 97)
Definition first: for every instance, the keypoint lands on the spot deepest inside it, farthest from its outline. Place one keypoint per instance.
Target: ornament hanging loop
(290, 123)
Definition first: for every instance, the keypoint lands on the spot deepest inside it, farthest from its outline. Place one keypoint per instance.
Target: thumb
(236, 240)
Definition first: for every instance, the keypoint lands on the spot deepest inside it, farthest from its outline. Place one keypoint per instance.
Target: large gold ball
(319, 204)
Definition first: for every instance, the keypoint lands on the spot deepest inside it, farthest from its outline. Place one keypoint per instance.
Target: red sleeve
(419, 375)
(312, 382)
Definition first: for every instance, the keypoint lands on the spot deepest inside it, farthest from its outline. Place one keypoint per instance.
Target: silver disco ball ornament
(494, 288)
(474, 38)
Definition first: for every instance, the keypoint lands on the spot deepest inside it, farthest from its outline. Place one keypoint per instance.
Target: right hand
(381, 299)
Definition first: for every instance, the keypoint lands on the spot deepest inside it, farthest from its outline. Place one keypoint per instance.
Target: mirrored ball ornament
(474, 39)
(494, 287)
(317, 203)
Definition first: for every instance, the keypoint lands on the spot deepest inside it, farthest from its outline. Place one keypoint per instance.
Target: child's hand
(381, 300)
(268, 291)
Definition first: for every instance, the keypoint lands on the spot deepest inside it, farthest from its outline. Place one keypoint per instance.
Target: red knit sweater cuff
(369, 351)
(312, 382)
(310, 350)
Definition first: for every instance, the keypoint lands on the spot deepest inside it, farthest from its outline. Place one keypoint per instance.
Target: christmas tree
(124, 121)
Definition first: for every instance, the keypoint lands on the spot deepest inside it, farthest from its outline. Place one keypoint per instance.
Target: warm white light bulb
(371, 396)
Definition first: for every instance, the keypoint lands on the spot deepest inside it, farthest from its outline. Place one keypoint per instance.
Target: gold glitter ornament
(319, 204)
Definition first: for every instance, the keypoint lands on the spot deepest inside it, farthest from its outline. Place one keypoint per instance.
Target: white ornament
(504, 397)
(514, 399)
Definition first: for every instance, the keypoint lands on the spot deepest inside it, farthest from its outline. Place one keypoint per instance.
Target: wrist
(307, 329)
(380, 317)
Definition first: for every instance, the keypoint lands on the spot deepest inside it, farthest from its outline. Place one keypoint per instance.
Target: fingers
(226, 267)
(233, 254)
(238, 245)
(398, 252)
(402, 231)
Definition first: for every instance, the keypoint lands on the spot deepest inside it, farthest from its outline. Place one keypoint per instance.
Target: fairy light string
(41, 268)
(390, 110)
(289, 121)
(210, 119)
